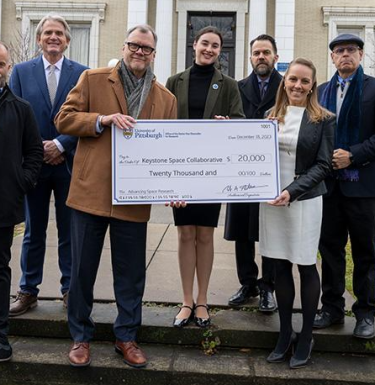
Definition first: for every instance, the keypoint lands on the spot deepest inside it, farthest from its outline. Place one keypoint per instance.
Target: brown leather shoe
(79, 354)
(65, 300)
(132, 353)
(22, 303)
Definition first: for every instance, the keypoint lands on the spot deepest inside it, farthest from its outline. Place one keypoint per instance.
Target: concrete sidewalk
(163, 281)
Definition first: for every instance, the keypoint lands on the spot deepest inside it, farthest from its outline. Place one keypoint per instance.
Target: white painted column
(181, 39)
(164, 22)
(94, 42)
(284, 32)
(137, 12)
(240, 45)
(257, 21)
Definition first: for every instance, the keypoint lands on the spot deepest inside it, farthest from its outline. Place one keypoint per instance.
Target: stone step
(44, 361)
(235, 328)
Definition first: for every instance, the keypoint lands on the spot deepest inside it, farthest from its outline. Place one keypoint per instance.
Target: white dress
(290, 232)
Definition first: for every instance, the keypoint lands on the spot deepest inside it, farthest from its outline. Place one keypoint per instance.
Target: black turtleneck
(199, 84)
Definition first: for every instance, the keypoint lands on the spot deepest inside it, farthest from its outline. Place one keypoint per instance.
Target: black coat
(363, 152)
(21, 156)
(242, 219)
(313, 158)
(253, 106)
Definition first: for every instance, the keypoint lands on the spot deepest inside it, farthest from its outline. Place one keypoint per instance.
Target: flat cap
(346, 38)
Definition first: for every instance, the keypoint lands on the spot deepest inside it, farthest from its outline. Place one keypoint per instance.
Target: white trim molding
(241, 7)
(32, 11)
(361, 18)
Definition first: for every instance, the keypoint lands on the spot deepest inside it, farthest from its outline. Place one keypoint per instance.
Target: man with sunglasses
(103, 97)
(349, 205)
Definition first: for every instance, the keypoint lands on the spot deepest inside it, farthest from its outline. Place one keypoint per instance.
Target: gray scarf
(136, 90)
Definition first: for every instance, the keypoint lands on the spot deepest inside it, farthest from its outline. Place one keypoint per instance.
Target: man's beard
(263, 70)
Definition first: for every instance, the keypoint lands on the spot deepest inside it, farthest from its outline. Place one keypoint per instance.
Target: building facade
(300, 27)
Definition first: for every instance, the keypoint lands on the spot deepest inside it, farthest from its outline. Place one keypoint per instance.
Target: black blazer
(363, 152)
(21, 156)
(313, 158)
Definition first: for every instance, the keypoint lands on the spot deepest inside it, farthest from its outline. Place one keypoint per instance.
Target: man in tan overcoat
(101, 98)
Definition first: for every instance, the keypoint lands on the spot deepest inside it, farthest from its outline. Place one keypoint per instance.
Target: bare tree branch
(21, 48)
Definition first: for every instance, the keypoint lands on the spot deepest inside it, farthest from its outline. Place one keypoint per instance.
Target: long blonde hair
(316, 112)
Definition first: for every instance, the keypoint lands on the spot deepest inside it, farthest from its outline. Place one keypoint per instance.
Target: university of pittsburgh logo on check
(127, 132)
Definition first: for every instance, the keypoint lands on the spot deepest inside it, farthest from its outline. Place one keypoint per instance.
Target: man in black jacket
(349, 205)
(21, 154)
(258, 93)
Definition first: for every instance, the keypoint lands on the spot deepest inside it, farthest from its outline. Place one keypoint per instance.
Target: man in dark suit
(45, 82)
(258, 93)
(21, 154)
(349, 205)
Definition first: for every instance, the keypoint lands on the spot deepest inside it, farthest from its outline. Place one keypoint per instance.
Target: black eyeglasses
(144, 48)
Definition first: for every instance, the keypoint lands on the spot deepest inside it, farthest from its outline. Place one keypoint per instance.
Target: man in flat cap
(349, 205)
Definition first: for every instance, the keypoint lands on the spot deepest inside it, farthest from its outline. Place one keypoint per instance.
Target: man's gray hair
(144, 28)
(2, 44)
(53, 17)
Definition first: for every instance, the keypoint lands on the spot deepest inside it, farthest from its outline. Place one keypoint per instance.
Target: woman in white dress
(290, 224)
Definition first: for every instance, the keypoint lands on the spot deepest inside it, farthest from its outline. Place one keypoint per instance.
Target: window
(82, 18)
(79, 47)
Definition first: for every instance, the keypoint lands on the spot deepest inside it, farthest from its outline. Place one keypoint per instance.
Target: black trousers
(6, 240)
(247, 269)
(343, 216)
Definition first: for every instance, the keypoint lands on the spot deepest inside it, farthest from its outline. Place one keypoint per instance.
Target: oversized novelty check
(200, 161)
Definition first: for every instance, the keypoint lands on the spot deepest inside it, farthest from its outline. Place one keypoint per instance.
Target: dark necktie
(262, 89)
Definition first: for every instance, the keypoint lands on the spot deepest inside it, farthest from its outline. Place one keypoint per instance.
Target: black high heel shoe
(203, 322)
(280, 357)
(296, 363)
(181, 322)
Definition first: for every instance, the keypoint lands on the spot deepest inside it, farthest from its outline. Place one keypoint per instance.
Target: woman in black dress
(202, 92)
